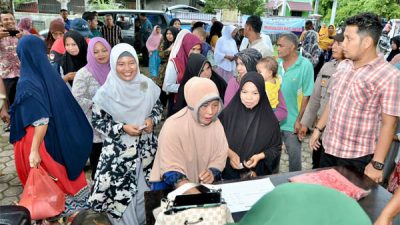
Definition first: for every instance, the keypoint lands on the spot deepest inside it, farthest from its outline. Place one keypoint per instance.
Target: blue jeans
(293, 147)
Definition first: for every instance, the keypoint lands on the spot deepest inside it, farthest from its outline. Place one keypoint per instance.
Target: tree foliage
(346, 8)
(248, 7)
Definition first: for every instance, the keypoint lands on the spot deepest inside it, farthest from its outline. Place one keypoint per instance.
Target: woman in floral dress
(125, 110)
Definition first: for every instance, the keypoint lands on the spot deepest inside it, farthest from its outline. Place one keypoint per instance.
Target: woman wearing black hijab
(164, 50)
(252, 131)
(75, 55)
(175, 22)
(395, 44)
(198, 66)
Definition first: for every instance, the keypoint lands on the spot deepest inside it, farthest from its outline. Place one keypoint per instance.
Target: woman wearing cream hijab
(192, 143)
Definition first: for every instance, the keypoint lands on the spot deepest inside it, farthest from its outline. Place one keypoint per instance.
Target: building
(298, 8)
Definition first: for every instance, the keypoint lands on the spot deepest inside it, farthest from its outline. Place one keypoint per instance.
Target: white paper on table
(241, 196)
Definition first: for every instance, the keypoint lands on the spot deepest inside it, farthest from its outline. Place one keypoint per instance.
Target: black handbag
(14, 215)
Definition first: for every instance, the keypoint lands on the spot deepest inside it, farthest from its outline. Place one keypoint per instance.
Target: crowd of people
(232, 106)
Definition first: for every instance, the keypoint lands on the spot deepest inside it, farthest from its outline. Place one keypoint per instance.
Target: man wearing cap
(320, 95)
(111, 32)
(81, 26)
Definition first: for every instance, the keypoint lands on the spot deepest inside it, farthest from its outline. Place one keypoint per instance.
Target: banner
(278, 25)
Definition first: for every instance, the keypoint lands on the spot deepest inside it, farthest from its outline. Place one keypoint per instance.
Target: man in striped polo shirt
(111, 32)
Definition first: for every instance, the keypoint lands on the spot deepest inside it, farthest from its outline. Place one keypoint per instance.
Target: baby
(268, 68)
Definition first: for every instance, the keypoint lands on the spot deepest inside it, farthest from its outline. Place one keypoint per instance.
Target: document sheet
(241, 196)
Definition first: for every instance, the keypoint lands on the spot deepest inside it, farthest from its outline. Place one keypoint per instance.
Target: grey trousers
(293, 147)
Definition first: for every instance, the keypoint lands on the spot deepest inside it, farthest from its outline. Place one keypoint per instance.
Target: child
(268, 68)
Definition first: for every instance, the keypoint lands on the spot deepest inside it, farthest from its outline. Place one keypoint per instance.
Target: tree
(248, 7)
(347, 8)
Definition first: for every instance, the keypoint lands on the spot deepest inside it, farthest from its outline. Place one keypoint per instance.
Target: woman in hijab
(252, 131)
(56, 31)
(310, 48)
(246, 61)
(198, 66)
(395, 44)
(185, 44)
(326, 42)
(125, 111)
(26, 24)
(164, 50)
(197, 151)
(75, 55)
(86, 83)
(225, 51)
(175, 22)
(152, 45)
(215, 33)
(48, 127)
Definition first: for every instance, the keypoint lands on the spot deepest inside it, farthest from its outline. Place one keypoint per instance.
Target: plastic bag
(41, 196)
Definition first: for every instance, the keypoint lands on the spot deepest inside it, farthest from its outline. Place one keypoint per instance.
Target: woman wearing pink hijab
(86, 83)
(26, 24)
(152, 45)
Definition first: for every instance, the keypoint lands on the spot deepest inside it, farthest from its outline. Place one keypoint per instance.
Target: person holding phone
(9, 62)
(126, 101)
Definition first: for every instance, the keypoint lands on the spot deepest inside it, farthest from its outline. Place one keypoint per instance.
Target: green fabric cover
(305, 204)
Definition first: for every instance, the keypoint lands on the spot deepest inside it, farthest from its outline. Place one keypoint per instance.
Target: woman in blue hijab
(48, 127)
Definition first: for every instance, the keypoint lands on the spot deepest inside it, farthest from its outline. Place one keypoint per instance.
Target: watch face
(377, 165)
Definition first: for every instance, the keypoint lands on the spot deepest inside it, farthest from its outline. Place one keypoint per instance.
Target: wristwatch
(377, 165)
(319, 129)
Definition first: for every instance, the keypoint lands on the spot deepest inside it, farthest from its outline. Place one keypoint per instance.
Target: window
(297, 13)
(125, 21)
(157, 19)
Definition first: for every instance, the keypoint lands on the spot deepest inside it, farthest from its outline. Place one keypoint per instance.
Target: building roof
(300, 6)
(294, 5)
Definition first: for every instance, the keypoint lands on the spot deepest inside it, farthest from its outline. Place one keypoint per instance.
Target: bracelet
(319, 129)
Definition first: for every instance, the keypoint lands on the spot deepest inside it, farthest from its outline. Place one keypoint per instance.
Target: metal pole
(284, 3)
(316, 6)
(333, 15)
(138, 4)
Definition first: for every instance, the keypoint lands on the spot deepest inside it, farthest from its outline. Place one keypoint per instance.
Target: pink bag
(41, 196)
(333, 179)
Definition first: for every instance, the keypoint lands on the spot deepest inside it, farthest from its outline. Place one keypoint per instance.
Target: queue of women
(104, 109)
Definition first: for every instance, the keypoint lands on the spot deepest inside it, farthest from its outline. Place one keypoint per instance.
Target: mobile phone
(142, 127)
(198, 199)
(13, 33)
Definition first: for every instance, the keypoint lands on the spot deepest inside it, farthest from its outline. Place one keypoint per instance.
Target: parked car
(126, 20)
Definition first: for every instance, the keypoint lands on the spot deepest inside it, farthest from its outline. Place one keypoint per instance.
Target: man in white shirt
(252, 31)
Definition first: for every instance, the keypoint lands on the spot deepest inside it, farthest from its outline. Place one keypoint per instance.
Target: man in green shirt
(91, 18)
(297, 85)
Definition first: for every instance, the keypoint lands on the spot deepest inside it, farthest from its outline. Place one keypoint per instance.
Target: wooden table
(372, 204)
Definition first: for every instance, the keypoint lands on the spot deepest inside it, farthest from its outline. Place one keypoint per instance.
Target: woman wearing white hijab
(225, 51)
(125, 110)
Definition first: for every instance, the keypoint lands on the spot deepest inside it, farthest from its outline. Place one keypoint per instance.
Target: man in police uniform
(320, 94)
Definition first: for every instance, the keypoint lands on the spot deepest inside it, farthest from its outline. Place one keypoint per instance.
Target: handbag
(206, 214)
(41, 196)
